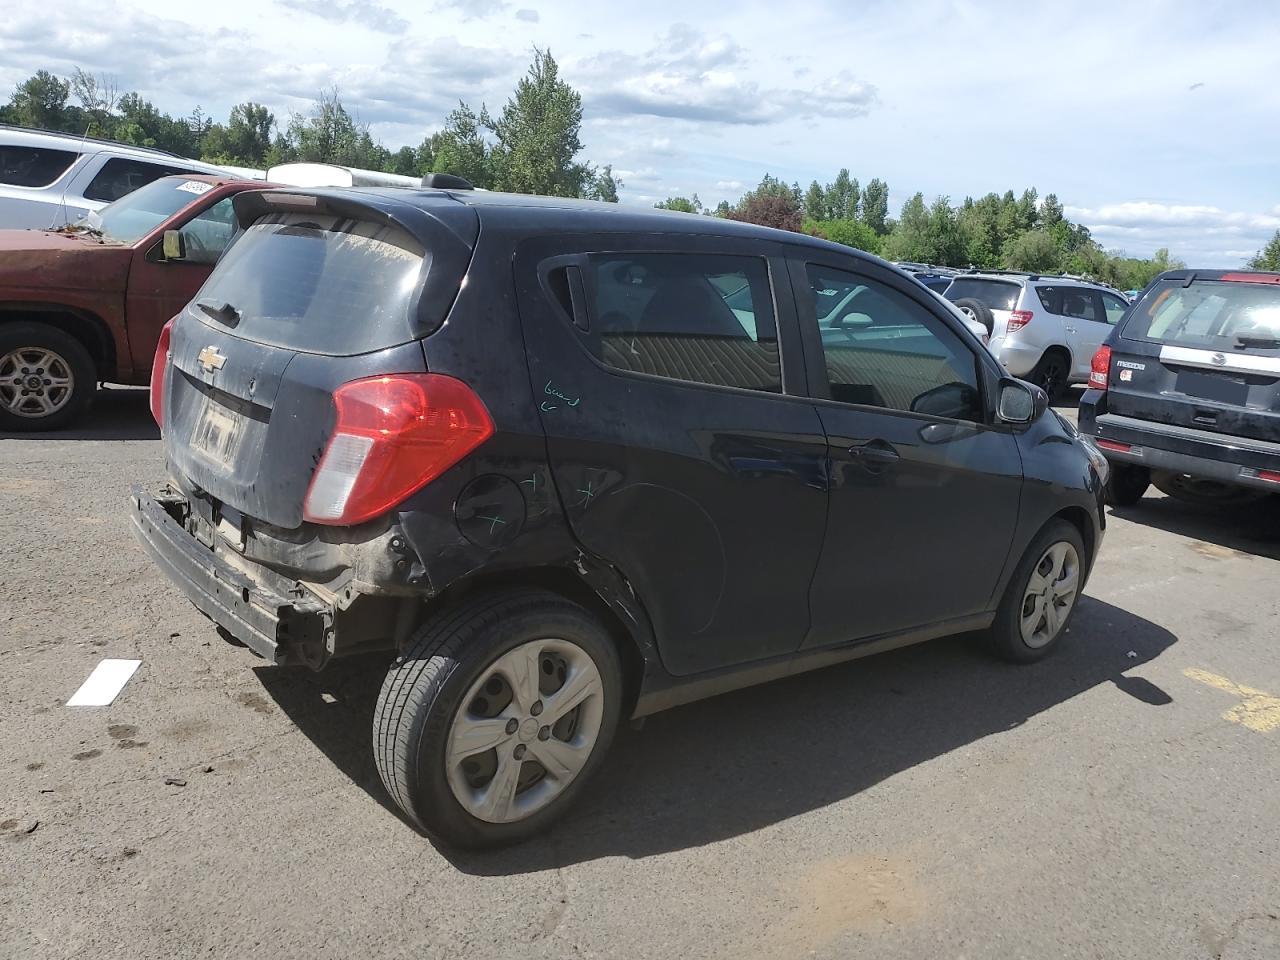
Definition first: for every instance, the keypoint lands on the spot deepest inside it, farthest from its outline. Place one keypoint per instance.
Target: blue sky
(1154, 122)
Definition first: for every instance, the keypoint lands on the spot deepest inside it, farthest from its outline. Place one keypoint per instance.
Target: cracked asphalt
(1117, 800)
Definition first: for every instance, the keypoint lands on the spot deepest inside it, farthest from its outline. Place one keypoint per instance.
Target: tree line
(997, 231)
(534, 145)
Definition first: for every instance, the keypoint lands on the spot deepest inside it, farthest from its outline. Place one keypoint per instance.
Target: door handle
(875, 451)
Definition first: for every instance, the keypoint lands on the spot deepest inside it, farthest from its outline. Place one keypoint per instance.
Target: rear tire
(47, 378)
(1052, 374)
(1041, 597)
(463, 722)
(1127, 484)
(1204, 493)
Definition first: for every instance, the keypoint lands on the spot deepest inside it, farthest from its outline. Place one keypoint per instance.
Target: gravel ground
(1117, 800)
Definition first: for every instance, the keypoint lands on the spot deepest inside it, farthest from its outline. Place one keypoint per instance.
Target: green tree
(681, 204)
(245, 140)
(815, 202)
(843, 197)
(537, 135)
(852, 233)
(1034, 251)
(40, 101)
(404, 162)
(1268, 258)
(875, 206)
(1051, 211)
(606, 185)
(460, 148)
(331, 135)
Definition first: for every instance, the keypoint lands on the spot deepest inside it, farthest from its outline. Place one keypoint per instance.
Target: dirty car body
(725, 506)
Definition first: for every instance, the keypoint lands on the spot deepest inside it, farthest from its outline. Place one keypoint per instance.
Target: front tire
(47, 378)
(1041, 596)
(488, 727)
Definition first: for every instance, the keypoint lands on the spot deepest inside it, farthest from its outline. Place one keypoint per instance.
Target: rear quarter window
(33, 166)
(319, 284)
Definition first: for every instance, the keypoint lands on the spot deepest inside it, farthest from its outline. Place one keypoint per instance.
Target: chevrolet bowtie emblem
(211, 359)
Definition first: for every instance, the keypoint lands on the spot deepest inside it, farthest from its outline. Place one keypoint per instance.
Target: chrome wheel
(35, 382)
(524, 730)
(1050, 594)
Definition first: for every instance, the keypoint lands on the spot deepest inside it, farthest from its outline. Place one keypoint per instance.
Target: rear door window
(996, 294)
(33, 166)
(704, 318)
(121, 176)
(1223, 316)
(1080, 304)
(319, 284)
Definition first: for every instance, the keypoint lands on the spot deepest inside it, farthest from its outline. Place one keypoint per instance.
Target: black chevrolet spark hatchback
(572, 462)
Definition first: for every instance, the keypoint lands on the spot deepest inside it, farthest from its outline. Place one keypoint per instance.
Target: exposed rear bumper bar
(1197, 453)
(271, 615)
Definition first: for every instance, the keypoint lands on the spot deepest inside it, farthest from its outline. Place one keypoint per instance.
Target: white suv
(1044, 329)
(48, 179)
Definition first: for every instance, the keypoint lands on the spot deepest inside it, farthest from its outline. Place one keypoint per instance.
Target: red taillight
(394, 435)
(1114, 445)
(1269, 475)
(1100, 368)
(1017, 320)
(159, 370)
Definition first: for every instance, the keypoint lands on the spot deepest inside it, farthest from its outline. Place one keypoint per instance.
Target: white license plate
(217, 433)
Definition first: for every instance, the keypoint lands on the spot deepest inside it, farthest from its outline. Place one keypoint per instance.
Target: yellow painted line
(1256, 710)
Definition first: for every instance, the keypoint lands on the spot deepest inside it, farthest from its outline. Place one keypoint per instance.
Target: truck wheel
(1052, 373)
(490, 724)
(47, 377)
(1041, 595)
(1127, 485)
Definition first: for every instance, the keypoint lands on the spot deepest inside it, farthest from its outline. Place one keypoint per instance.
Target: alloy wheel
(524, 730)
(1050, 594)
(35, 382)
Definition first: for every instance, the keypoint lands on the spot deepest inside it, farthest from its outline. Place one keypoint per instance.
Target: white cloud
(729, 185)
(527, 15)
(1138, 213)
(366, 13)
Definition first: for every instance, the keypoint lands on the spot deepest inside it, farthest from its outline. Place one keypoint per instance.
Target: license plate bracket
(1208, 386)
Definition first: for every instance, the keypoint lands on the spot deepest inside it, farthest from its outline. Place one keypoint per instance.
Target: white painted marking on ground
(104, 684)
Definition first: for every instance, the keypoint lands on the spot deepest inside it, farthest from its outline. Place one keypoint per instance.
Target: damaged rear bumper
(278, 618)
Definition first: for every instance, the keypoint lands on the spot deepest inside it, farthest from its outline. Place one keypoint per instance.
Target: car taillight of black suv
(1185, 393)
(569, 463)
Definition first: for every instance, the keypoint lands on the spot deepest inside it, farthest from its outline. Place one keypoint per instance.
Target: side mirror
(175, 245)
(1020, 403)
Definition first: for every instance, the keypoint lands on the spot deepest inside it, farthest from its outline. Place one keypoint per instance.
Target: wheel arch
(631, 642)
(87, 327)
(1079, 518)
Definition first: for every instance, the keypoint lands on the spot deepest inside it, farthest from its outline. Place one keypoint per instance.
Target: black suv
(1185, 393)
(573, 462)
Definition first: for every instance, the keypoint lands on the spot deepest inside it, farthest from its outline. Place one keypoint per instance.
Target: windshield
(318, 284)
(996, 294)
(134, 215)
(1223, 316)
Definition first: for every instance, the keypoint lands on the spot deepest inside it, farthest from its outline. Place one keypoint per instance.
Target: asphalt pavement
(1116, 800)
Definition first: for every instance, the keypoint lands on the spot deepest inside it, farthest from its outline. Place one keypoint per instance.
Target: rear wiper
(1257, 340)
(220, 310)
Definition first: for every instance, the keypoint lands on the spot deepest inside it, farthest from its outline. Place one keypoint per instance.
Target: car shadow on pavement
(118, 413)
(1214, 531)
(739, 762)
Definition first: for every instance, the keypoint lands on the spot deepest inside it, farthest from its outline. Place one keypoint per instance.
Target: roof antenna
(62, 200)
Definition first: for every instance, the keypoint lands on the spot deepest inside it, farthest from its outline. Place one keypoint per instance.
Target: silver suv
(1044, 329)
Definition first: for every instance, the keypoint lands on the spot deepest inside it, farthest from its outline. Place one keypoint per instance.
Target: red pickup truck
(85, 304)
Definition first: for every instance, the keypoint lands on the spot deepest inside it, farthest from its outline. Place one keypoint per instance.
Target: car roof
(54, 140)
(1022, 278)
(1265, 276)
(567, 214)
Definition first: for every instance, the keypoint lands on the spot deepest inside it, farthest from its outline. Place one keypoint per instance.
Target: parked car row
(570, 463)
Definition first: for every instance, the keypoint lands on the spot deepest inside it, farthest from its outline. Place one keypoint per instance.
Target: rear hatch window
(1224, 316)
(318, 284)
(996, 294)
